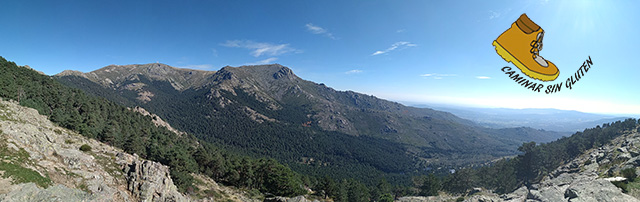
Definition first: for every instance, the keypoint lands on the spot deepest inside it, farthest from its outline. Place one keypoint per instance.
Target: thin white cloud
(493, 14)
(262, 62)
(483, 77)
(437, 76)
(258, 49)
(496, 14)
(214, 52)
(394, 46)
(401, 31)
(200, 67)
(314, 29)
(354, 71)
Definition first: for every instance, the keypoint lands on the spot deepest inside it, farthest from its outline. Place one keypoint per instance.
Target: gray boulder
(596, 190)
(31, 192)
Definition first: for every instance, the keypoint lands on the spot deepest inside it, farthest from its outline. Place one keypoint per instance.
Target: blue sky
(410, 51)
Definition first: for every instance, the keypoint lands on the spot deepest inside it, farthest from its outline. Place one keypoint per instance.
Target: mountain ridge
(274, 80)
(234, 104)
(539, 118)
(112, 74)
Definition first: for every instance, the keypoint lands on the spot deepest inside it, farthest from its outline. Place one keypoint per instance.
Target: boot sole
(509, 58)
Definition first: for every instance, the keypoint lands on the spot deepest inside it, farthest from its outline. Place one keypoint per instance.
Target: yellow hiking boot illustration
(521, 45)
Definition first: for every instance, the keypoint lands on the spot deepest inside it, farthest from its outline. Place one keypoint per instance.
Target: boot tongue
(541, 61)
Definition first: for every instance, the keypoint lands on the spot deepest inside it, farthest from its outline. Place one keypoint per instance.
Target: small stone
(570, 194)
(624, 156)
(622, 149)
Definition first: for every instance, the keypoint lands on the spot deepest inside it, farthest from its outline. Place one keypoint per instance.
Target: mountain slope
(267, 110)
(605, 173)
(42, 161)
(597, 164)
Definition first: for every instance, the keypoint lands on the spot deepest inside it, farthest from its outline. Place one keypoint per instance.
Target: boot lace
(536, 45)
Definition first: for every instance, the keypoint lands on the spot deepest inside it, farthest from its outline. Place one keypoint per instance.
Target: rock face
(32, 144)
(150, 181)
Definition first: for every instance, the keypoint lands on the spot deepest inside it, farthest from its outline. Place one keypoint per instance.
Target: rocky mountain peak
(70, 73)
(254, 76)
(151, 69)
(226, 73)
(284, 72)
(267, 72)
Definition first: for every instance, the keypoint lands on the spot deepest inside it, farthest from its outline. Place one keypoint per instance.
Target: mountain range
(268, 111)
(546, 119)
(225, 115)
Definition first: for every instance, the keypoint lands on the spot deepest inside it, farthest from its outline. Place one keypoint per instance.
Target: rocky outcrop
(144, 96)
(51, 155)
(255, 116)
(148, 180)
(157, 120)
(596, 190)
(586, 178)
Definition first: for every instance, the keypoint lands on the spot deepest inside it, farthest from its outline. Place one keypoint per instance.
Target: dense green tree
(528, 163)
(328, 187)
(459, 182)
(278, 179)
(386, 198)
(381, 190)
(357, 192)
(430, 186)
(342, 191)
